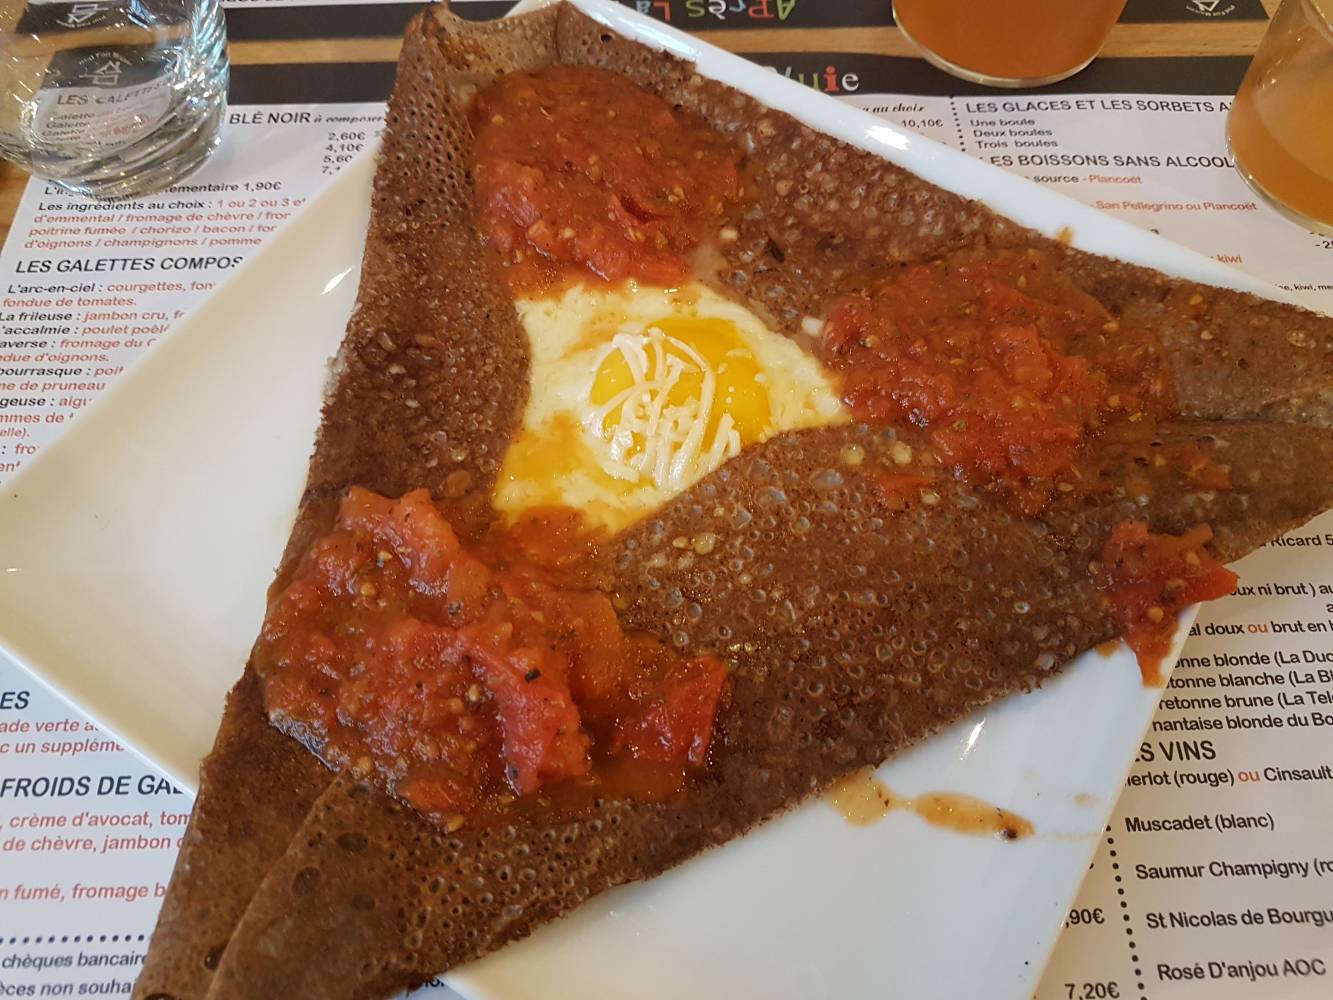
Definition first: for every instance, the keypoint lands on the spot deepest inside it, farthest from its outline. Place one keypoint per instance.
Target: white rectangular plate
(136, 550)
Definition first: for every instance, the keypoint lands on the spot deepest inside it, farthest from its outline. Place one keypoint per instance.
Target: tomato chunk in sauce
(1008, 365)
(463, 676)
(580, 173)
(1150, 578)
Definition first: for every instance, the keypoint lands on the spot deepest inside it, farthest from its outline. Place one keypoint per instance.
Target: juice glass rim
(1323, 17)
(988, 80)
(1320, 12)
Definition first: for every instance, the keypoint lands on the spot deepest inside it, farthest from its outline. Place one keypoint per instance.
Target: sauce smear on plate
(864, 799)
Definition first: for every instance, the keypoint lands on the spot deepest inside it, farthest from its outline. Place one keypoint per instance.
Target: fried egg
(637, 393)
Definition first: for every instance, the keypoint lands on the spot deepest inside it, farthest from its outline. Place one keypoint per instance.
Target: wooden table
(1194, 38)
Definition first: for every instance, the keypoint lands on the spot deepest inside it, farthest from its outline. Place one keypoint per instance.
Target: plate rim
(889, 137)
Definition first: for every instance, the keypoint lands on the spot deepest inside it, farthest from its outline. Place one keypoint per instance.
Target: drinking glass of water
(111, 98)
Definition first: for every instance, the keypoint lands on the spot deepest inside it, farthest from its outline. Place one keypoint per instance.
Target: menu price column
(1097, 956)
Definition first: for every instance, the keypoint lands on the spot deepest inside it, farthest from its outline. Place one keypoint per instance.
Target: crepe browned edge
(886, 628)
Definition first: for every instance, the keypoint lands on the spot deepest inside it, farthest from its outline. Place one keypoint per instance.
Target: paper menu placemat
(1227, 812)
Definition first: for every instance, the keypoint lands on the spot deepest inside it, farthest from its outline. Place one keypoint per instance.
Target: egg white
(618, 459)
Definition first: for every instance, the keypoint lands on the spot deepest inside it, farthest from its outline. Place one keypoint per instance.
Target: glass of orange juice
(1281, 125)
(1008, 43)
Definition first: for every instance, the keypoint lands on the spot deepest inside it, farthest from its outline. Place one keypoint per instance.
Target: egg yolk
(636, 394)
(677, 400)
(665, 403)
(543, 460)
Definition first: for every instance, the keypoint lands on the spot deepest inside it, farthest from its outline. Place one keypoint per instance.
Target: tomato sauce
(1013, 371)
(1150, 578)
(580, 173)
(464, 676)
(897, 490)
(1008, 365)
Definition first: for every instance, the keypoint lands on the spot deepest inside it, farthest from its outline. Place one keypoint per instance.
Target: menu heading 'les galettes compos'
(475, 675)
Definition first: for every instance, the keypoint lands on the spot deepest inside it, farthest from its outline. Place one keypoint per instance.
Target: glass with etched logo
(1281, 125)
(1008, 43)
(111, 98)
